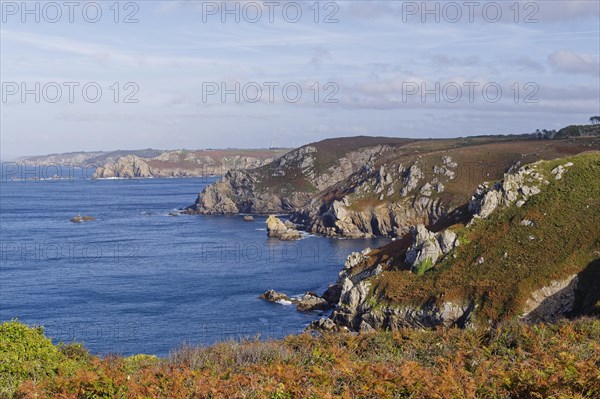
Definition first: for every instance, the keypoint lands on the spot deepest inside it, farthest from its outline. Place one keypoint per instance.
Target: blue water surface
(137, 280)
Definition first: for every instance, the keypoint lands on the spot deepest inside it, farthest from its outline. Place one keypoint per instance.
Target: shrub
(25, 353)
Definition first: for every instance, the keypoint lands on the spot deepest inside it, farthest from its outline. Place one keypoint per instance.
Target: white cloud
(570, 62)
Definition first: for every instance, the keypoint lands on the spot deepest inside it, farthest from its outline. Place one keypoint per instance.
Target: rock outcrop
(356, 310)
(552, 302)
(428, 247)
(402, 198)
(129, 166)
(307, 303)
(278, 229)
(80, 219)
(516, 188)
(351, 188)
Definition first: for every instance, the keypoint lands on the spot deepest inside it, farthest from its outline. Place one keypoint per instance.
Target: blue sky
(370, 62)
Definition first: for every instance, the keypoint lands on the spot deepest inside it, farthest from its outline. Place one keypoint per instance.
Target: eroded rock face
(299, 175)
(552, 302)
(404, 199)
(359, 309)
(177, 164)
(516, 188)
(428, 247)
(236, 193)
(130, 166)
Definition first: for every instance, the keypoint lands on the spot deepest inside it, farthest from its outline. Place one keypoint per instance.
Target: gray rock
(428, 246)
(426, 189)
(448, 241)
(274, 296)
(411, 180)
(311, 301)
(551, 302)
(324, 324)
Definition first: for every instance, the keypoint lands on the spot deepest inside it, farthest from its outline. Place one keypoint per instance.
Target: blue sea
(137, 280)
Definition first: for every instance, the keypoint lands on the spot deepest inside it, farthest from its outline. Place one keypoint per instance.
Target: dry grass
(515, 360)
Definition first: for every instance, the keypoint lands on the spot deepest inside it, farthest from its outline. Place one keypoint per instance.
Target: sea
(141, 278)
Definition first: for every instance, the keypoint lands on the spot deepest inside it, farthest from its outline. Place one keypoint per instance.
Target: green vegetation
(26, 354)
(422, 267)
(514, 360)
(500, 261)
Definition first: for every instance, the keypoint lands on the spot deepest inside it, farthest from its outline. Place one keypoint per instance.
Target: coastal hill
(484, 229)
(371, 186)
(529, 248)
(85, 159)
(184, 163)
(159, 163)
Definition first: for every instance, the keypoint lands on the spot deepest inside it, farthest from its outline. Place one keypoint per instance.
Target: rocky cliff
(373, 187)
(186, 163)
(82, 159)
(289, 182)
(381, 201)
(530, 248)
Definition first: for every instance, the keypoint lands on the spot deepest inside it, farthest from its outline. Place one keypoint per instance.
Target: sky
(107, 75)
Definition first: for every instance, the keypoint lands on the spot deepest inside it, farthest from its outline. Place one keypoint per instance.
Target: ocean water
(137, 280)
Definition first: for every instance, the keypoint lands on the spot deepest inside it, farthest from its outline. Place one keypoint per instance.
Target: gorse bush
(25, 353)
(513, 361)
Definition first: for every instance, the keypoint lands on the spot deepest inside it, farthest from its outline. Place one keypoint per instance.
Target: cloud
(569, 62)
(527, 63)
(564, 10)
(319, 57)
(444, 60)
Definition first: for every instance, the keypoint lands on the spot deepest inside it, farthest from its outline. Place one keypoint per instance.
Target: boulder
(79, 219)
(311, 301)
(277, 229)
(324, 324)
(274, 296)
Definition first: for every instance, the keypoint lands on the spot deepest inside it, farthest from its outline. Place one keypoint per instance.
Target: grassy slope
(566, 240)
(515, 361)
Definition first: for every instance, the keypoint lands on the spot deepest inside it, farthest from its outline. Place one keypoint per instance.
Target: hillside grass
(513, 361)
(564, 240)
